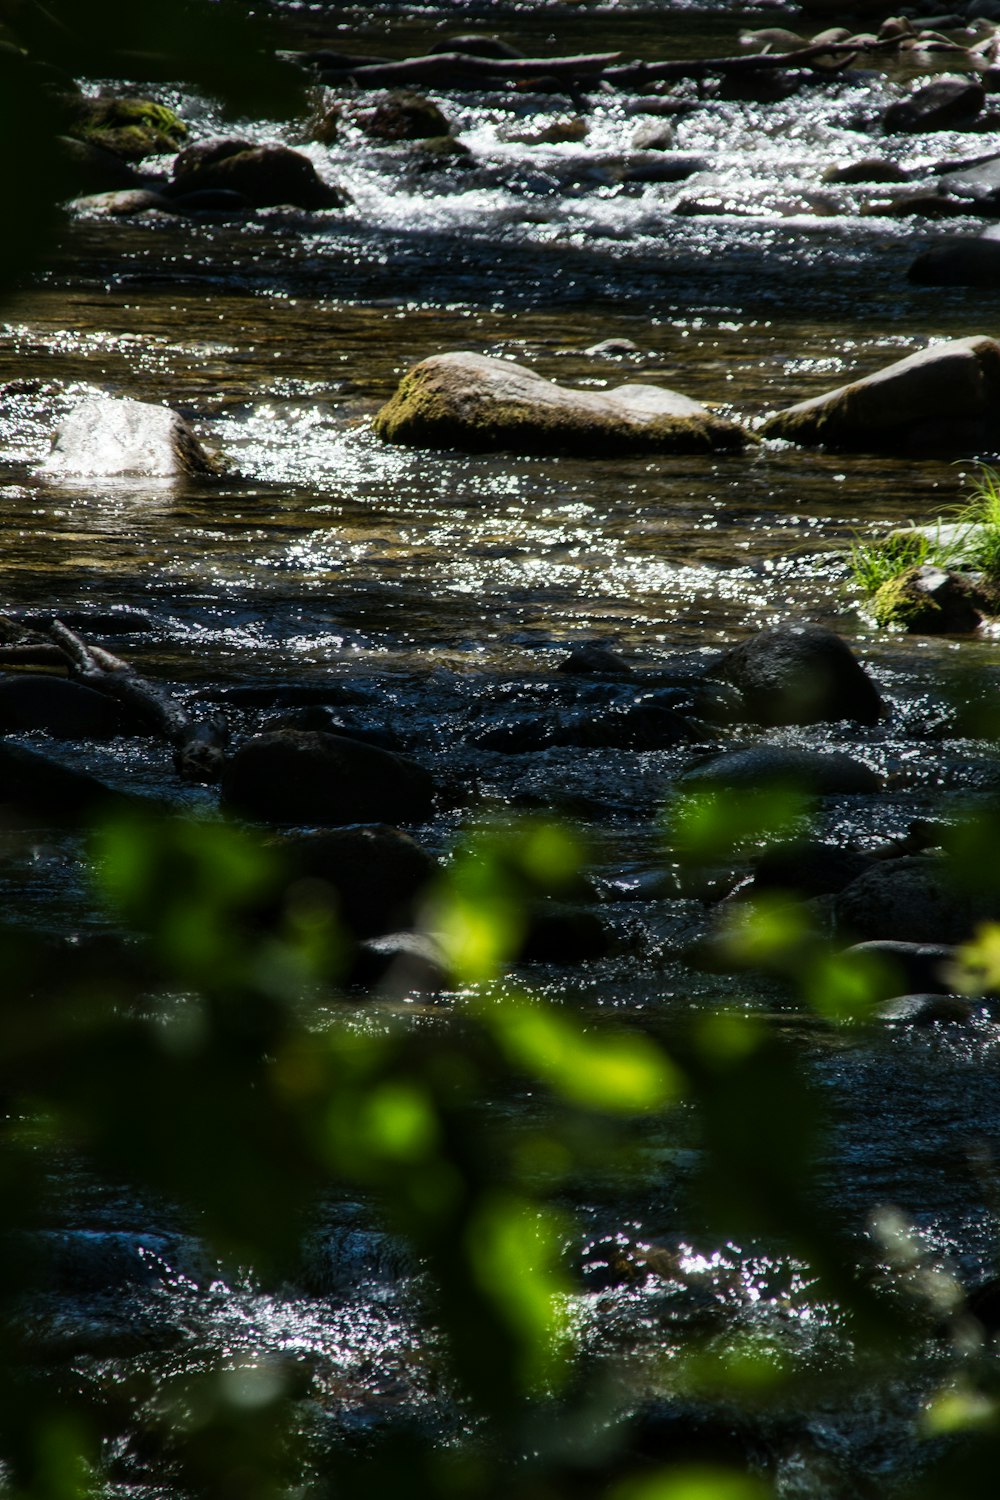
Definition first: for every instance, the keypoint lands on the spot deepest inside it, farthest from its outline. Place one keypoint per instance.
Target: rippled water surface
(431, 578)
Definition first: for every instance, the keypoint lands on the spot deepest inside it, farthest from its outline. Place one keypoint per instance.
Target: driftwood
(459, 69)
(198, 745)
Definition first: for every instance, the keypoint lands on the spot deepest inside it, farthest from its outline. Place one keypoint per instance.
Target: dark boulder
(892, 968)
(36, 791)
(85, 168)
(308, 777)
(926, 1010)
(947, 103)
(376, 875)
(913, 899)
(404, 116)
(264, 176)
(66, 710)
(977, 187)
(800, 674)
(594, 660)
(808, 868)
(400, 965)
(970, 261)
(818, 773)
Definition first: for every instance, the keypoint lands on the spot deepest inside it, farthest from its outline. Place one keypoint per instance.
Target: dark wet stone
(308, 777)
(893, 968)
(968, 261)
(978, 186)
(630, 726)
(560, 934)
(920, 205)
(815, 772)
(800, 674)
(66, 710)
(946, 103)
(35, 791)
(332, 721)
(124, 203)
(594, 660)
(86, 168)
(869, 169)
(263, 176)
(913, 899)
(404, 115)
(808, 868)
(926, 1010)
(376, 875)
(201, 200)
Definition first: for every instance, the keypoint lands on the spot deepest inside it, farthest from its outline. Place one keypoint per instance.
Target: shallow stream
(433, 580)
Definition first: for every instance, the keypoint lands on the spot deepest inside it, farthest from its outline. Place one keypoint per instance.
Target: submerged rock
(264, 175)
(891, 967)
(308, 777)
(926, 1010)
(942, 399)
(816, 772)
(110, 436)
(800, 674)
(477, 404)
(36, 791)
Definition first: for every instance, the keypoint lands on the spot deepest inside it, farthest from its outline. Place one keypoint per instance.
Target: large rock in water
(911, 900)
(265, 175)
(308, 777)
(945, 399)
(112, 436)
(800, 674)
(377, 875)
(477, 404)
(816, 773)
(970, 260)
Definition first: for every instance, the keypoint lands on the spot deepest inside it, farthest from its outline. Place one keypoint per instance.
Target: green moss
(899, 602)
(132, 128)
(421, 416)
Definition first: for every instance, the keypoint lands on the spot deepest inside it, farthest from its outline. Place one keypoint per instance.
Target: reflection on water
(432, 578)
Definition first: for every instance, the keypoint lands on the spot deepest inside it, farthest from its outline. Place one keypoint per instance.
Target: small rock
(376, 875)
(110, 436)
(808, 868)
(976, 187)
(800, 674)
(612, 349)
(123, 203)
(892, 968)
(476, 46)
(400, 965)
(308, 777)
(594, 660)
(926, 1010)
(869, 169)
(655, 136)
(36, 791)
(816, 772)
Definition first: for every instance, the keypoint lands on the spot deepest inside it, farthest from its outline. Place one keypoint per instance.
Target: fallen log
(452, 69)
(696, 69)
(198, 744)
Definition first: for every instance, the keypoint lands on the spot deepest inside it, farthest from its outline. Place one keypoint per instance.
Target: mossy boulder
(132, 128)
(929, 600)
(477, 404)
(944, 399)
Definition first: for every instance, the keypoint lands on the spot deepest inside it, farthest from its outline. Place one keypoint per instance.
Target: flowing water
(430, 581)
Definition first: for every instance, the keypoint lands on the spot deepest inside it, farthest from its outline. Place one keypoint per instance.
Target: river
(431, 581)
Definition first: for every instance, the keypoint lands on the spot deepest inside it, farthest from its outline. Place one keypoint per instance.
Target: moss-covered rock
(928, 600)
(132, 128)
(944, 399)
(476, 404)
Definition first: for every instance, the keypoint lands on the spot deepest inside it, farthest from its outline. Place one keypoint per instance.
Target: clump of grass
(979, 519)
(967, 537)
(874, 563)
